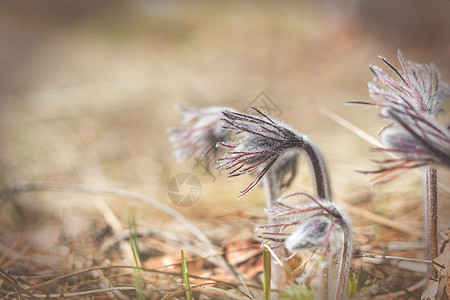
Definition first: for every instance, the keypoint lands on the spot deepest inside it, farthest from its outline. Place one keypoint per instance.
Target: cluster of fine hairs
(270, 149)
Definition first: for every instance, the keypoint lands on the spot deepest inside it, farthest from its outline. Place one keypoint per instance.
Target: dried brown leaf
(436, 288)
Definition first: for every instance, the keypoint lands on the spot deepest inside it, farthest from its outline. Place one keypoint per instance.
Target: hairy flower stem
(319, 169)
(272, 192)
(431, 217)
(324, 276)
(344, 266)
(322, 182)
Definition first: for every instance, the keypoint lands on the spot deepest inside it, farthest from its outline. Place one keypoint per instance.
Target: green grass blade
(267, 272)
(187, 286)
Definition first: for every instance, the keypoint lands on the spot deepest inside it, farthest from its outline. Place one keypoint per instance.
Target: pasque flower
(200, 135)
(313, 226)
(314, 222)
(410, 102)
(272, 149)
(263, 142)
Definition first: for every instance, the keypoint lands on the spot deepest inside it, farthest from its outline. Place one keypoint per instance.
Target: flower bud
(309, 235)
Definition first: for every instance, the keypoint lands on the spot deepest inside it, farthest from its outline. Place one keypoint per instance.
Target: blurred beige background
(88, 88)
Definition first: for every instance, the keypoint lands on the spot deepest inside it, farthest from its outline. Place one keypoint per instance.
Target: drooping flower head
(416, 139)
(200, 135)
(263, 141)
(313, 223)
(311, 226)
(410, 102)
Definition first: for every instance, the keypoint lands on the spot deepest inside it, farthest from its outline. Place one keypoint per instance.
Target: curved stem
(321, 178)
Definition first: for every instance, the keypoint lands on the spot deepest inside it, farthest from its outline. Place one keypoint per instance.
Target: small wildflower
(264, 140)
(314, 226)
(200, 135)
(313, 223)
(410, 103)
